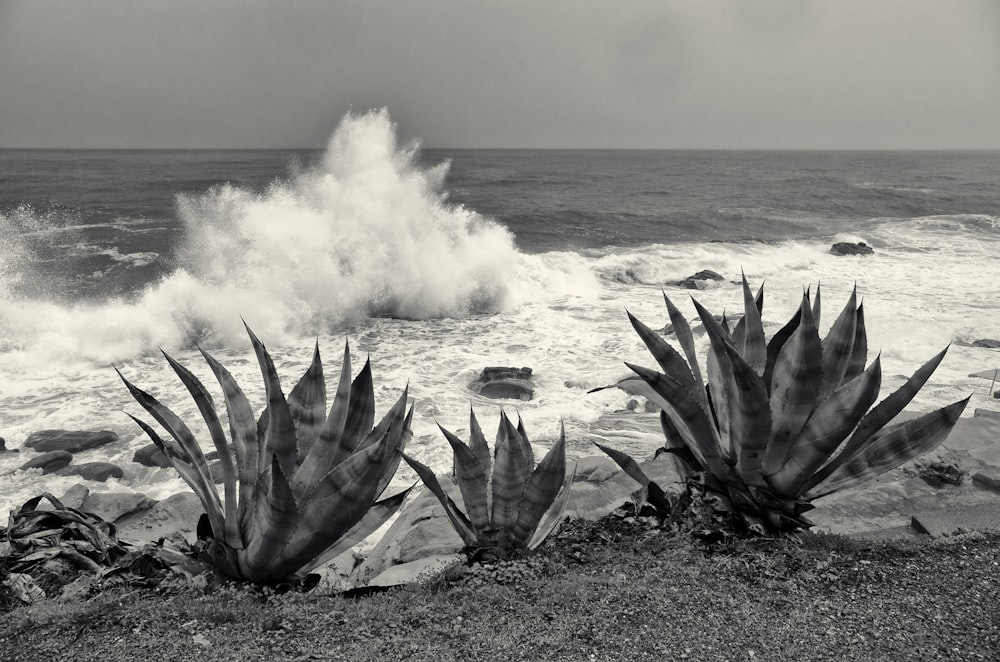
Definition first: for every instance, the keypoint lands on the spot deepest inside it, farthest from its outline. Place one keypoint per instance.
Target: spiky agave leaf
(540, 491)
(513, 462)
(458, 519)
(472, 481)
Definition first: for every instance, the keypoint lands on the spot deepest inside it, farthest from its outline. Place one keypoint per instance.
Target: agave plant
(510, 511)
(304, 483)
(779, 423)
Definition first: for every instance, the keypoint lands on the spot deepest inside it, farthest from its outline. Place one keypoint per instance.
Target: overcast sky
(538, 73)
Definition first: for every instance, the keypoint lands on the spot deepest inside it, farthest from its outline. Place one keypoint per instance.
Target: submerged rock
(151, 456)
(96, 471)
(49, 462)
(988, 343)
(506, 383)
(71, 441)
(847, 248)
(699, 281)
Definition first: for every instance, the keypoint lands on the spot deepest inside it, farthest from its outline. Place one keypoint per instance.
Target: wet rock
(986, 482)
(506, 383)
(989, 343)
(3, 447)
(71, 441)
(96, 471)
(49, 462)
(847, 248)
(151, 456)
(939, 473)
(112, 506)
(699, 281)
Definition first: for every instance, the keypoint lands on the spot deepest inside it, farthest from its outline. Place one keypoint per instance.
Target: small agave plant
(783, 422)
(304, 483)
(511, 511)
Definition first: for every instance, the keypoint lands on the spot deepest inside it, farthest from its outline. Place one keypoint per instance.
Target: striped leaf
(243, 432)
(838, 347)
(207, 408)
(325, 452)
(682, 331)
(512, 466)
(191, 451)
(666, 356)
(279, 430)
(472, 481)
(627, 464)
(540, 492)
(307, 404)
(720, 375)
(751, 345)
(859, 348)
(360, 411)
(795, 385)
(892, 447)
(825, 430)
(816, 307)
(477, 442)
(553, 516)
(457, 518)
(775, 345)
(750, 418)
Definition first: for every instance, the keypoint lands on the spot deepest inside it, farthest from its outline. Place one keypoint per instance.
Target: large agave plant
(511, 511)
(304, 483)
(780, 423)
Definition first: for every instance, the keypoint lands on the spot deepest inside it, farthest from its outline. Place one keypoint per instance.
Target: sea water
(437, 263)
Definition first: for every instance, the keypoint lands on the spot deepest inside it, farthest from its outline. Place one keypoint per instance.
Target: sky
(711, 74)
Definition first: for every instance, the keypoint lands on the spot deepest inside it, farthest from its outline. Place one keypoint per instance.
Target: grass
(612, 590)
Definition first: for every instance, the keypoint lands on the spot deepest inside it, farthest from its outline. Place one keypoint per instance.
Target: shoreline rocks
(700, 281)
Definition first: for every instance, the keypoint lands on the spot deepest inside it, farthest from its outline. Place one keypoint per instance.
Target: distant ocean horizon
(439, 262)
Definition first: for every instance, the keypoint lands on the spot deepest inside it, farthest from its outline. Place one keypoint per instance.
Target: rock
(178, 513)
(416, 571)
(96, 471)
(986, 482)
(650, 407)
(71, 441)
(495, 373)
(422, 529)
(49, 462)
(3, 447)
(151, 456)
(986, 342)
(599, 486)
(112, 506)
(940, 473)
(958, 519)
(215, 468)
(699, 281)
(992, 373)
(846, 248)
(506, 383)
(75, 496)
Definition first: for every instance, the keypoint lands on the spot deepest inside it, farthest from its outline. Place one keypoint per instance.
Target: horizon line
(513, 149)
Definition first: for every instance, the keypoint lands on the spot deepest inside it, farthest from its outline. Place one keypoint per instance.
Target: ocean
(437, 263)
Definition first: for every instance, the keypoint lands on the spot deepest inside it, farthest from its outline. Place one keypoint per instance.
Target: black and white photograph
(441, 330)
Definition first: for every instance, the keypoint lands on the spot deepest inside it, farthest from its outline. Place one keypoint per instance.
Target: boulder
(178, 513)
(499, 382)
(699, 281)
(71, 441)
(96, 471)
(422, 529)
(112, 506)
(75, 496)
(599, 486)
(3, 447)
(416, 571)
(151, 456)
(989, 343)
(847, 248)
(49, 462)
